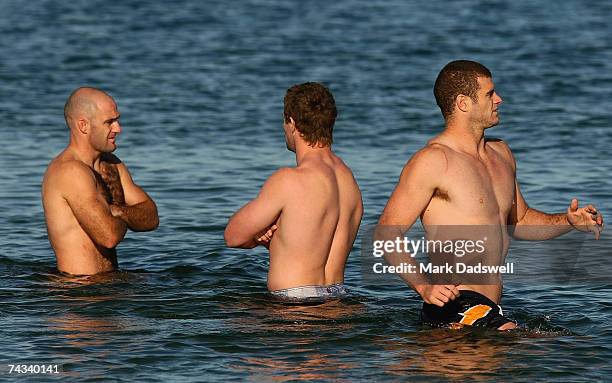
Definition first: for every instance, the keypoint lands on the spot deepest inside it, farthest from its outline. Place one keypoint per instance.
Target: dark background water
(199, 85)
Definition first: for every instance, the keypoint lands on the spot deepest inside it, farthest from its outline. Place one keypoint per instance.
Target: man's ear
(291, 124)
(83, 125)
(463, 102)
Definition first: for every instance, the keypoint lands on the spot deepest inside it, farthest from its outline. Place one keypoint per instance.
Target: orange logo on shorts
(472, 314)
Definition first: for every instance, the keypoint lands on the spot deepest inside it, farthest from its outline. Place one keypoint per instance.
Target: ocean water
(200, 85)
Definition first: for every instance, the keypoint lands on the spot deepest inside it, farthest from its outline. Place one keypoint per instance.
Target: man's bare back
(88, 194)
(308, 216)
(318, 224)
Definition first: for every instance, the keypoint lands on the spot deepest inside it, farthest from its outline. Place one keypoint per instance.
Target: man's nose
(117, 127)
(498, 99)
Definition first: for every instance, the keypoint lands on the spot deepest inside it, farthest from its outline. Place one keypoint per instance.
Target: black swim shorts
(469, 309)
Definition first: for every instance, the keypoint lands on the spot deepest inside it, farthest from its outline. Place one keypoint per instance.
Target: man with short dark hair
(307, 216)
(88, 194)
(463, 178)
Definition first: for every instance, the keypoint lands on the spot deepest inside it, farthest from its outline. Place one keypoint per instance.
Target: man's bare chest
(478, 187)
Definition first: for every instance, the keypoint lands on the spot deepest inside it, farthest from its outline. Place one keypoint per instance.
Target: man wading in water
(463, 178)
(88, 194)
(309, 215)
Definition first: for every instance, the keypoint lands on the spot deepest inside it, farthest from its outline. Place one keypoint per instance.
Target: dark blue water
(200, 86)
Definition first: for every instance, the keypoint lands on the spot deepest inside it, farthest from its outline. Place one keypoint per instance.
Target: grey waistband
(314, 292)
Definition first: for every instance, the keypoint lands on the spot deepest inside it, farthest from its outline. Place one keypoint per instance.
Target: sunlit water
(199, 86)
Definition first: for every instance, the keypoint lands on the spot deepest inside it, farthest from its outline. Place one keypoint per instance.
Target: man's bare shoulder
(498, 144)
(333, 166)
(282, 179)
(501, 148)
(64, 173)
(343, 167)
(427, 167)
(349, 184)
(432, 157)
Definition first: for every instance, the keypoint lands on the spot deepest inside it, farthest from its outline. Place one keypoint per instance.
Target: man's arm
(88, 206)
(534, 225)
(417, 183)
(139, 211)
(246, 227)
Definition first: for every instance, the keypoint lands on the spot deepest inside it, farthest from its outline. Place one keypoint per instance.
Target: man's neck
(303, 151)
(85, 153)
(469, 139)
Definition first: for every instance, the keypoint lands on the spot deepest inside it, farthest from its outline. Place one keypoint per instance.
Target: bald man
(88, 195)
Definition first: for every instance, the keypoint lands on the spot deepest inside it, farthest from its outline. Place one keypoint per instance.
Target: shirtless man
(88, 194)
(463, 178)
(307, 216)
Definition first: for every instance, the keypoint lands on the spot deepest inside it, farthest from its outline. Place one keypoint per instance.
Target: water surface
(200, 86)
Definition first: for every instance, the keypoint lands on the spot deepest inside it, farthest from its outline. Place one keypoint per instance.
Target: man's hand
(585, 218)
(116, 211)
(265, 236)
(437, 294)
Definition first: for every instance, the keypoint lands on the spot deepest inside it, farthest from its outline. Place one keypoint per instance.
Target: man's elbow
(112, 237)
(231, 237)
(111, 240)
(155, 223)
(155, 220)
(152, 224)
